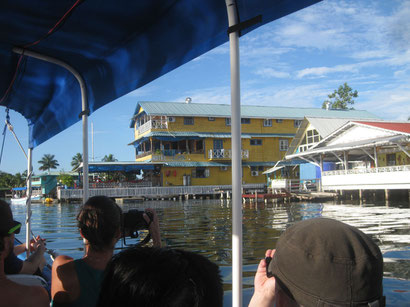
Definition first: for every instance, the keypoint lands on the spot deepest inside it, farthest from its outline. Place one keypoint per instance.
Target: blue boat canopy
(116, 46)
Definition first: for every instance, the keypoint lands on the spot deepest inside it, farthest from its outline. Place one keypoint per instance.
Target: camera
(133, 220)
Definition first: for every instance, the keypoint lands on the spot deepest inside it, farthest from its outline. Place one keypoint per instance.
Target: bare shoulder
(38, 297)
(61, 260)
(20, 295)
(64, 283)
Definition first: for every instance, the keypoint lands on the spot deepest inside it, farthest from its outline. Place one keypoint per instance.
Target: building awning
(98, 167)
(282, 163)
(175, 136)
(193, 164)
(393, 139)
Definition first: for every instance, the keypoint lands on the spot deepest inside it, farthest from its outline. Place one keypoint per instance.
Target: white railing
(113, 185)
(385, 169)
(225, 154)
(296, 185)
(153, 124)
(154, 191)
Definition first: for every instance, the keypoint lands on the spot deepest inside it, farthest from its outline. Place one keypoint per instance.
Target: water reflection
(205, 227)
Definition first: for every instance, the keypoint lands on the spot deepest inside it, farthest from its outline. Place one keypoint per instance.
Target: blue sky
(295, 61)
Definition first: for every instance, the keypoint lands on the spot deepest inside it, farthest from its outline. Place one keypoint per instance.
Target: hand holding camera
(135, 220)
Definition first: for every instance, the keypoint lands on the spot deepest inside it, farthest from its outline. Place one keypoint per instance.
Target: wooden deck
(265, 197)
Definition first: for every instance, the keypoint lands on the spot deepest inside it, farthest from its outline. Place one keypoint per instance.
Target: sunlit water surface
(205, 227)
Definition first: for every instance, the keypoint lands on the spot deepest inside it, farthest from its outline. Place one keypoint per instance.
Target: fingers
(270, 253)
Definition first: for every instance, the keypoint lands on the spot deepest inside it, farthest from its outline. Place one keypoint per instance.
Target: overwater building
(190, 143)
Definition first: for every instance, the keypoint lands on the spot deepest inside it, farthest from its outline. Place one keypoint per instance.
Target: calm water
(205, 227)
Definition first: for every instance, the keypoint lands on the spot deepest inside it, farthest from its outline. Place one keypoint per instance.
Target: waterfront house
(192, 141)
(366, 155)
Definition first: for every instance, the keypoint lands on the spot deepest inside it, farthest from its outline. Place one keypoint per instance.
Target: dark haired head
(160, 277)
(100, 222)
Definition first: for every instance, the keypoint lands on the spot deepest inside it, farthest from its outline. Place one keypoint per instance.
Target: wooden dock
(265, 197)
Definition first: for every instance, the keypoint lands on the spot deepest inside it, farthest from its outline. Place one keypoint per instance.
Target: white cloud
(322, 71)
(270, 72)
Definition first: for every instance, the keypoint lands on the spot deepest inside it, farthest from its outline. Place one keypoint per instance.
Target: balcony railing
(225, 154)
(385, 169)
(153, 124)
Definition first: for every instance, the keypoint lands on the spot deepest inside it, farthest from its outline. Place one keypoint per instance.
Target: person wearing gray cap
(321, 262)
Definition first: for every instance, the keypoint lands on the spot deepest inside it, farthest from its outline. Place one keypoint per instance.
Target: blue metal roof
(116, 46)
(98, 167)
(247, 111)
(193, 164)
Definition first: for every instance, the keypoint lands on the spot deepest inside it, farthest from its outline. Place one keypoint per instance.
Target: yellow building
(190, 143)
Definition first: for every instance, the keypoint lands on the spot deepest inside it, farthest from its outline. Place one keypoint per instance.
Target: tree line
(47, 163)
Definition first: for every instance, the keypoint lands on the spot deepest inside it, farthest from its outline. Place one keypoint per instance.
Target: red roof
(400, 127)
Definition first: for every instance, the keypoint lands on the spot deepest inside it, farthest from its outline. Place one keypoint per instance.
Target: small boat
(23, 200)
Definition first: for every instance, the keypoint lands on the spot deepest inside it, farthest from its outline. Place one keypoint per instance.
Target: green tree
(109, 158)
(66, 179)
(20, 179)
(76, 161)
(7, 180)
(48, 162)
(341, 98)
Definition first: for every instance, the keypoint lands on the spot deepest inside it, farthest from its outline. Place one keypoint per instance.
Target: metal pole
(92, 141)
(236, 158)
(84, 104)
(28, 201)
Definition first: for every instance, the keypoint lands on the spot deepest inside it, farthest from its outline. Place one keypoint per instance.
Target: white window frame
(279, 120)
(297, 123)
(267, 122)
(228, 121)
(171, 119)
(283, 145)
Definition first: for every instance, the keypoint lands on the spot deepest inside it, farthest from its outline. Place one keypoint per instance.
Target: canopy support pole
(236, 158)
(28, 201)
(84, 102)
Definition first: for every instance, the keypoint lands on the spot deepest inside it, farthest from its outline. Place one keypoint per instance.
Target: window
(245, 120)
(211, 119)
(256, 142)
(188, 120)
(283, 145)
(257, 168)
(267, 123)
(297, 123)
(171, 119)
(311, 137)
(279, 121)
(200, 172)
(228, 121)
(391, 159)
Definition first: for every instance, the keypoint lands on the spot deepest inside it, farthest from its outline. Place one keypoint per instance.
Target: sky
(295, 61)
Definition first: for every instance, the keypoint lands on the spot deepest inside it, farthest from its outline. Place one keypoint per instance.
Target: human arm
(153, 227)
(265, 288)
(19, 249)
(36, 260)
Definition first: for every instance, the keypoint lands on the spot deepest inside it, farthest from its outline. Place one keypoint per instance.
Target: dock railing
(153, 192)
(296, 185)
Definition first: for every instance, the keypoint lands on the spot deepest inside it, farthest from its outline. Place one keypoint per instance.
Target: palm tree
(76, 161)
(48, 162)
(109, 158)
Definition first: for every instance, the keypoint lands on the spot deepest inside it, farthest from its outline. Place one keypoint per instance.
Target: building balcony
(225, 154)
(153, 124)
(173, 155)
(388, 177)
